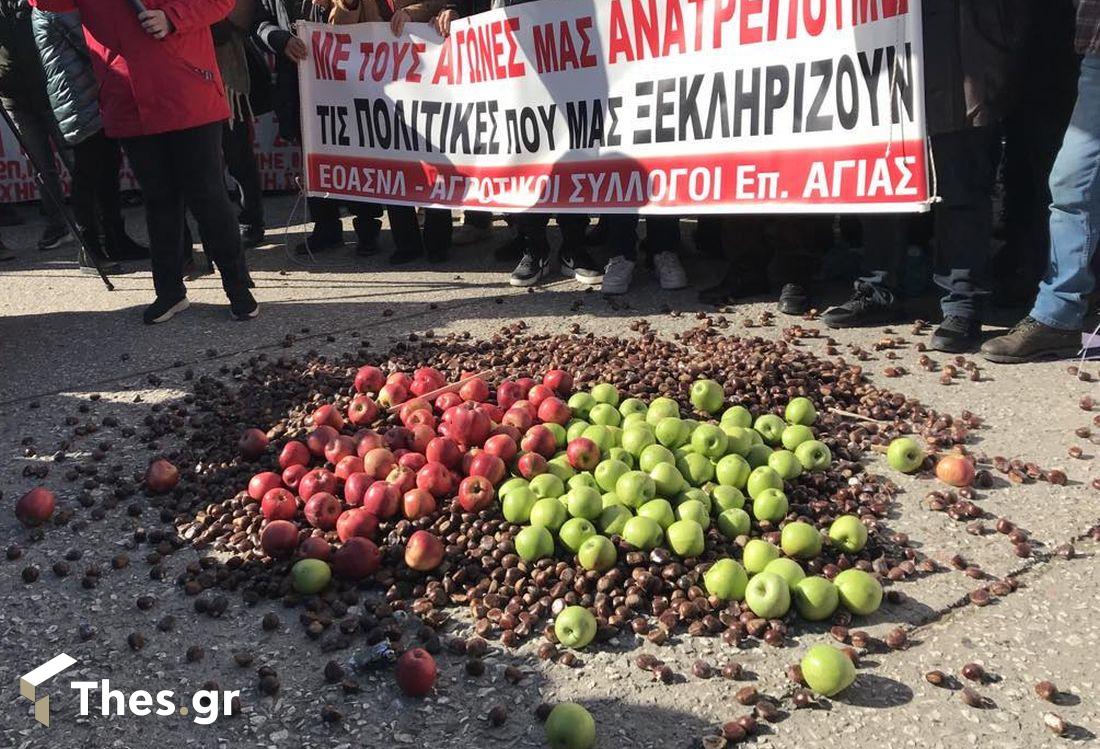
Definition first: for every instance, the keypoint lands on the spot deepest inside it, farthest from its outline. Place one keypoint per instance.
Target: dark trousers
(408, 237)
(34, 120)
(531, 228)
(325, 213)
(966, 165)
(240, 159)
(481, 219)
(662, 233)
(782, 249)
(95, 194)
(182, 170)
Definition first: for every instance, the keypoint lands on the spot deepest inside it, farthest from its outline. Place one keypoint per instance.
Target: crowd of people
(1012, 92)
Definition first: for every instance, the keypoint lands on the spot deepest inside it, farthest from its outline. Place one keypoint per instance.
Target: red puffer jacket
(149, 86)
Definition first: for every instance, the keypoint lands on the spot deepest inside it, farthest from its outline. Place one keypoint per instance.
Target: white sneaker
(617, 275)
(466, 234)
(670, 273)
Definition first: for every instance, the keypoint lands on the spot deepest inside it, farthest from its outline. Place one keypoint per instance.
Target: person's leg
(327, 232)
(742, 242)
(576, 261)
(874, 300)
(535, 263)
(796, 259)
(36, 125)
(662, 241)
(367, 224)
(622, 243)
(108, 161)
(474, 228)
(240, 160)
(438, 230)
(405, 230)
(83, 196)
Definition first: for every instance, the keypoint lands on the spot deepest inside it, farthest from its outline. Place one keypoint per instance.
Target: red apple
(424, 551)
(367, 440)
(558, 380)
(435, 479)
(252, 444)
(553, 410)
(279, 538)
(382, 500)
(422, 434)
(420, 418)
(469, 426)
(398, 438)
(369, 379)
(328, 415)
(403, 478)
(319, 437)
(443, 450)
(356, 522)
(339, 447)
(355, 488)
(530, 465)
(412, 461)
(378, 463)
(161, 476)
(315, 547)
(538, 394)
(582, 453)
(502, 446)
(447, 400)
(526, 405)
(539, 439)
(278, 504)
(362, 410)
(525, 384)
(321, 511)
(488, 465)
(415, 672)
(399, 378)
(348, 465)
(475, 493)
(474, 389)
(356, 559)
(319, 480)
(955, 470)
(392, 395)
(517, 418)
(293, 475)
(36, 506)
(294, 453)
(493, 411)
(417, 503)
(508, 393)
(262, 483)
(431, 378)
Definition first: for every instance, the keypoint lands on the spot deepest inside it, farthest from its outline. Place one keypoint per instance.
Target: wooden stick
(440, 391)
(859, 417)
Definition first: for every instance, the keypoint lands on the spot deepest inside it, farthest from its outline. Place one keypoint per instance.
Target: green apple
(570, 726)
(584, 502)
(756, 555)
(601, 435)
(574, 429)
(633, 406)
(800, 411)
(685, 537)
(616, 435)
(574, 531)
(768, 595)
(696, 469)
(800, 540)
(635, 420)
(814, 455)
(693, 510)
(859, 591)
(608, 472)
(770, 505)
(795, 435)
(511, 485)
(734, 522)
(709, 440)
(758, 455)
(770, 428)
(727, 498)
(584, 478)
(815, 598)
(785, 464)
(575, 627)
(597, 553)
(643, 533)
(827, 670)
(517, 505)
(737, 416)
(738, 439)
(638, 438)
(763, 478)
(671, 431)
(905, 454)
(848, 534)
(668, 480)
(732, 470)
(613, 519)
(661, 407)
(580, 404)
(726, 580)
(694, 494)
(617, 453)
(559, 466)
(605, 414)
(548, 513)
(635, 488)
(309, 576)
(547, 485)
(659, 510)
(653, 455)
(559, 433)
(605, 392)
(534, 542)
(611, 498)
(707, 396)
(788, 569)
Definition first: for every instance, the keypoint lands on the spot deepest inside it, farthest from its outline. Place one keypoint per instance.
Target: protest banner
(650, 106)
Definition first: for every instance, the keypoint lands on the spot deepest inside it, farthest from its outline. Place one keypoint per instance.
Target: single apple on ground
(570, 726)
(848, 533)
(533, 543)
(827, 670)
(575, 627)
(756, 555)
(800, 540)
(768, 595)
(859, 591)
(815, 598)
(905, 454)
(726, 580)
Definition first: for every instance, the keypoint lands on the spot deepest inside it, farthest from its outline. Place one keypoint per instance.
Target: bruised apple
(378, 462)
(328, 415)
(252, 444)
(381, 499)
(279, 538)
(369, 379)
(319, 437)
(356, 559)
(417, 504)
(356, 522)
(292, 476)
(317, 480)
(955, 470)
(162, 477)
(315, 547)
(321, 511)
(294, 453)
(362, 410)
(35, 507)
(475, 493)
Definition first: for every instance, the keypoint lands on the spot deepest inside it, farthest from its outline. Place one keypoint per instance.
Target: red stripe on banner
(870, 177)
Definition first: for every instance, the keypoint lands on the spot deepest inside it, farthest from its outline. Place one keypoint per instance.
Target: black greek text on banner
(628, 106)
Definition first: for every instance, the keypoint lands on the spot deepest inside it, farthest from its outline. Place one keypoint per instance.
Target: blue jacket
(70, 81)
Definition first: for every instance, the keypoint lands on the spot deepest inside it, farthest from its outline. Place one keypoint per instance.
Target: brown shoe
(1030, 340)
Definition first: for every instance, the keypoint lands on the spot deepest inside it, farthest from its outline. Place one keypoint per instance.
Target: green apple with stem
(517, 504)
(608, 472)
(613, 519)
(828, 671)
(653, 455)
(860, 592)
(770, 505)
(570, 726)
(726, 580)
(815, 598)
(785, 464)
(770, 427)
(788, 569)
(763, 478)
(758, 455)
(685, 537)
(800, 540)
(643, 533)
(795, 434)
(695, 510)
(737, 416)
(597, 553)
(696, 469)
(548, 513)
(905, 454)
(668, 479)
(635, 488)
(671, 431)
(732, 470)
(659, 510)
(633, 406)
(534, 542)
(575, 429)
(734, 522)
(605, 414)
(814, 455)
(756, 555)
(706, 396)
(605, 392)
(800, 411)
(574, 531)
(768, 595)
(580, 404)
(738, 439)
(709, 440)
(661, 407)
(848, 533)
(584, 502)
(726, 498)
(575, 627)
(637, 438)
(547, 485)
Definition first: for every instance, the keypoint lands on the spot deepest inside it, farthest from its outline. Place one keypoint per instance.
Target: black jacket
(272, 27)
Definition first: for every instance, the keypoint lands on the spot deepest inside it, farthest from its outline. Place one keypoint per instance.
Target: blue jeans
(1074, 210)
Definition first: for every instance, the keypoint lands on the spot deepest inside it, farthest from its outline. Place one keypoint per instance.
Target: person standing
(1053, 327)
(161, 95)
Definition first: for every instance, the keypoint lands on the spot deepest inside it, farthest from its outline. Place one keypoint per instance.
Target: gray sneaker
(617, 275)
(1031, 340)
